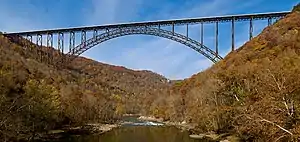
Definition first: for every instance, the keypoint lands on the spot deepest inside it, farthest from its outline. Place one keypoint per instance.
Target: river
(134, 130)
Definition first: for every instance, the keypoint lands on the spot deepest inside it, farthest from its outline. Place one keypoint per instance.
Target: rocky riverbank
(184, 126)
(181, 125)
(103, 128)
(96, 128)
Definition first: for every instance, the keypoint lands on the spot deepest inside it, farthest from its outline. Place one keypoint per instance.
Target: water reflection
(137, 134)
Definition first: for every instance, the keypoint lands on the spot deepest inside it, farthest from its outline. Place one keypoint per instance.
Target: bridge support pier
(29, 46)
(83, 37)
(187, 31)
(217, 38)
(95, 33)
(202, 34)
(39, 43)
(60, 43)
(72, 42)
(269, 21)
(158, 27)
(173, 28)
(49, 46)
(251, 29)
(232, 35)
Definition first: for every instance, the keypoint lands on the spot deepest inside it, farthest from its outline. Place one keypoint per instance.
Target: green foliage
(26, 109)
(43, 103)
(178, 83)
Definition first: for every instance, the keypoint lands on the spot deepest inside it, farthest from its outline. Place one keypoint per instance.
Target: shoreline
(98, 129)
(183, 126)
(180, 125)
(88, 129)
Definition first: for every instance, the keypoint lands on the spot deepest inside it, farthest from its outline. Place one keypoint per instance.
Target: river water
(134, 130)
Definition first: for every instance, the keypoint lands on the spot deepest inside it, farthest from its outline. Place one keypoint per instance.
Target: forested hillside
(37, 97)
(253, 93)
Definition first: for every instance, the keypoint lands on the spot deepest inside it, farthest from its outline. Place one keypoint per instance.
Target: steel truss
(103, 33)
(210, 54)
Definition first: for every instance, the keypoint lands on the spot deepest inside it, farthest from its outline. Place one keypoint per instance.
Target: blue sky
(171, 59)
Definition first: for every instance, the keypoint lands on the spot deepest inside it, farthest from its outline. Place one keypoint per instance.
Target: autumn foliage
(253, 93)
(36, 97)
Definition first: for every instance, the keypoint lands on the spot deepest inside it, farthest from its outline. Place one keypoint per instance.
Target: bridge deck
(212, 19)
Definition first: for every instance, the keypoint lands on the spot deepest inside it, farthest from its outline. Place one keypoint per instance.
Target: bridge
(104, 33)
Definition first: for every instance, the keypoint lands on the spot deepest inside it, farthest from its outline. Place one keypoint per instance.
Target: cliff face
(254, 91)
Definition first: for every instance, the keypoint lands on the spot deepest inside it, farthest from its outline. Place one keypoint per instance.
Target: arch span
(208, 53)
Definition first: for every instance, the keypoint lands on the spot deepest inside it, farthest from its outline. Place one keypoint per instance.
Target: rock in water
(200, 136)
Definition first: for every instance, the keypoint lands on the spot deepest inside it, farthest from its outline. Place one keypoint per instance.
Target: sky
(142, 52)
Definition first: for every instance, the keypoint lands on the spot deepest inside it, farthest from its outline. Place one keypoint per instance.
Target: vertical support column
(50, 46)
(39, 43)
(61, 38)
(60, 43)
(26, 39)
(29, 42)
(52, 49)
(41, 47)
(107, 31)
(276, 19)
(187, 31)
(71, 45)
(173, 28)
(95, 34)
(202, 34)
(251, 29)
(83, 38)
(158, 28)
(72, 42)
(269, 21)
(217, 38)
(36, 48)
(232, 34)
(30, 38)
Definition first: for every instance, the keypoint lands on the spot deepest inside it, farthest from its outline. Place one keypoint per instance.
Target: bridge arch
(119, 32)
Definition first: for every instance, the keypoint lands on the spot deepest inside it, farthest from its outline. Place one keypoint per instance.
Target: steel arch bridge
(197, 46)
(104, 33)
